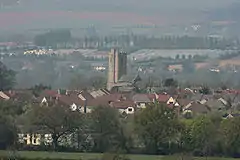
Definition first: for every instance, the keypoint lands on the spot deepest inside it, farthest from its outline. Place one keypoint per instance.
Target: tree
(9, 112)
(7, 78)
(183, 56)
(11, 109)
(177, 57)
(201, 132)
(230, 131)
(59, 121)
(170, 82)
(53, 38)
(37, 89)
(98, 82)
(157, 126)
(190, 57)
(105, 125)
(7, 133)
(205, 90)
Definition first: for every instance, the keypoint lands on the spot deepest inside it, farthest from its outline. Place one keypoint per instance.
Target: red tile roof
(51, 93)
(163, 97)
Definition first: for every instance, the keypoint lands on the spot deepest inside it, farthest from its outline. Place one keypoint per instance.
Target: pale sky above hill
(65, 13)
(141, 4)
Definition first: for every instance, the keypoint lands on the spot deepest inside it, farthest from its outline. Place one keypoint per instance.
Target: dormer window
(74, 107)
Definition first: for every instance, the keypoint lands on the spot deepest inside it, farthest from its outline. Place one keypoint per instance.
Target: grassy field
(87, 156)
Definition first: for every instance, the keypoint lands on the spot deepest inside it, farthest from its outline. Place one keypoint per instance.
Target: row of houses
(185, 102)
(86, 101)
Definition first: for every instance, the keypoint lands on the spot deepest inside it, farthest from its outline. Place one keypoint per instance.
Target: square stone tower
(117, 67)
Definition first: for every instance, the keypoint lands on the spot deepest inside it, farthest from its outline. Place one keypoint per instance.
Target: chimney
(85, 106)
(67, 92)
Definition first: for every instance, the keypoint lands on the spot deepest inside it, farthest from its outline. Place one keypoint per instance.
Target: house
(124, 107)
(121, 102)
(141, 100)
(47, 96)
(231, 115)
(195, 108)
(74, 103)
(233, 98)
(83, 101)
(216, 104)
(167, 99)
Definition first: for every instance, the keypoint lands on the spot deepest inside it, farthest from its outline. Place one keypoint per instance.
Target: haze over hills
(28, 14)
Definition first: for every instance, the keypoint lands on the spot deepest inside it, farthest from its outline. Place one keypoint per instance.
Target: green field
(87, 156)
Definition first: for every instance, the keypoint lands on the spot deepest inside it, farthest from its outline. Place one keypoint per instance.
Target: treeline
(62, 37)
(184, 42)
(157, 129)
(53, 38)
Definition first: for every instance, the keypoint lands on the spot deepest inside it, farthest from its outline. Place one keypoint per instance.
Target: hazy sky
(155, 4)
(46, 13)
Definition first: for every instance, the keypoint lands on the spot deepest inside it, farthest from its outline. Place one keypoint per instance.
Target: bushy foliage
(157, 129)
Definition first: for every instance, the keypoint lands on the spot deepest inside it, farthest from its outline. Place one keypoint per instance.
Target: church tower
(117, 67)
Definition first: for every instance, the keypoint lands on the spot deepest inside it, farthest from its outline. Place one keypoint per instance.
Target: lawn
(87, 156)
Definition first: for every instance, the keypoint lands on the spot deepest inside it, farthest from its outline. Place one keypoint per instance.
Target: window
(130, 109)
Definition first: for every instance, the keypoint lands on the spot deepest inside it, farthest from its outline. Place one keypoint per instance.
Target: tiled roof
(69, 100)
(163, 97)
(105, 99)
(97, 93)
(86, 95)
(51, 93)
(123, 104)
(19, 95)
(141, 98)
(198, 108)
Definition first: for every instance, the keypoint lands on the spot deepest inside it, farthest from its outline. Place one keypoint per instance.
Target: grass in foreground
(88, 156)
